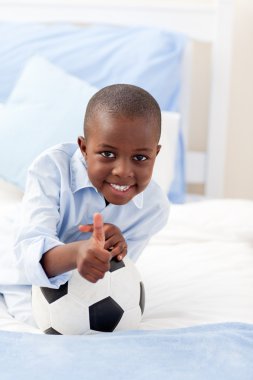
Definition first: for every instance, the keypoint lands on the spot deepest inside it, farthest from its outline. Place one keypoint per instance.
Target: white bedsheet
(198, 270)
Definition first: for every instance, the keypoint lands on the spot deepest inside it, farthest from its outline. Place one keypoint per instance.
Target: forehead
(105, 126)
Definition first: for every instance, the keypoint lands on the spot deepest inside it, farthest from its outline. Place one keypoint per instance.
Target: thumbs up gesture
(93, 260)
(113, 240)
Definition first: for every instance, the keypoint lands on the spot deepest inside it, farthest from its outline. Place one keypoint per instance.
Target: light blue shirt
(59, 197)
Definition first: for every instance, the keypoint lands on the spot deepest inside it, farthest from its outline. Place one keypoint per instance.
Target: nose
(123, 168)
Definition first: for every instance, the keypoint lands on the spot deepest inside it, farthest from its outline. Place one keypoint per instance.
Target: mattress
(197, 270)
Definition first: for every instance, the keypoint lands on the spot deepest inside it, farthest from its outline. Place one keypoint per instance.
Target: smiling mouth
(122, 188)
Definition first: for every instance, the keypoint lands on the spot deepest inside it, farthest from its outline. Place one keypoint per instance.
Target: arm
(43, 259)
(60, 259)
(36, 225)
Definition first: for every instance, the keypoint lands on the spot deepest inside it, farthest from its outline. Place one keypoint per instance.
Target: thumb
(98, 229)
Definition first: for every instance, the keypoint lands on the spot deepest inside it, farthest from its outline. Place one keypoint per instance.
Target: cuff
(33, 268)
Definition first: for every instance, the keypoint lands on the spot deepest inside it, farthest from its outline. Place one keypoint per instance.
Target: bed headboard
(207, 26)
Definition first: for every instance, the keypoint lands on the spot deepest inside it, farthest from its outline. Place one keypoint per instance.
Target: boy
(105, 179)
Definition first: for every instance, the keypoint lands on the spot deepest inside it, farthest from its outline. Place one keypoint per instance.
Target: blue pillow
(46, 107)
(101, 55)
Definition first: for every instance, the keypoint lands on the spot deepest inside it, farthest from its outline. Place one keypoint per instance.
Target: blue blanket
(217, 352)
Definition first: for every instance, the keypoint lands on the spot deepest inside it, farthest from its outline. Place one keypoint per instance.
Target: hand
(114, 240)
(93, 260)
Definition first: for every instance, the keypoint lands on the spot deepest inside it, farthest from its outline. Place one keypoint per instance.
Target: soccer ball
(80, 307)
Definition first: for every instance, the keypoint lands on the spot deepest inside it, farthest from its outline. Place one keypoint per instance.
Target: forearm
(60, 259)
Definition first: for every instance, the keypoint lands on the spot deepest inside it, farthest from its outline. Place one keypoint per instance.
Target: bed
(198, 271)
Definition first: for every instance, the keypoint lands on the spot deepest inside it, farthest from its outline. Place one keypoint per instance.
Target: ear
(82, 145)
(158, 149)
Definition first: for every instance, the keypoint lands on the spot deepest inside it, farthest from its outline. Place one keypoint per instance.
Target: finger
(98, 254)
(122, 255)
(109, 231)
(119, 251)
(98, 229)
(98, 274)
(90, 277)
(103, 266)
(86, 228)
(113, 241)
(92, 272)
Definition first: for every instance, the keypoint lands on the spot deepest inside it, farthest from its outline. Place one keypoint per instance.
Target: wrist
(60, 259)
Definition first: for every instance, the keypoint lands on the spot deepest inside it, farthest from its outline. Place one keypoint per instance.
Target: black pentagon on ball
(105, 315)
(52, 331)
(115, 264)
(53, 295)
(142, 297)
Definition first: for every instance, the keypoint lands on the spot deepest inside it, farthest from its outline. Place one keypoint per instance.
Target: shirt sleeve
(36, 229)
(150, 222)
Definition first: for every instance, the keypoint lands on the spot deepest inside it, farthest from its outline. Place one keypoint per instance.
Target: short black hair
(124, 100)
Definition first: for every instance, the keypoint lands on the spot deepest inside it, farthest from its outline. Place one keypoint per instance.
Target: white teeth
(120, 188)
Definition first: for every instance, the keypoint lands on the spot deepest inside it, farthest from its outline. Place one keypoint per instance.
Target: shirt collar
(138, 200)
(78, 171)
(80, 179)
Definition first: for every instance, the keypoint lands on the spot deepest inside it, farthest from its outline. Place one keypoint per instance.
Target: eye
(107, 154)
(140, 157)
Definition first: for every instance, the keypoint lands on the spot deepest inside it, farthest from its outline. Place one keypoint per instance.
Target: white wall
(239, 156)
(238, 168)
(108, 2)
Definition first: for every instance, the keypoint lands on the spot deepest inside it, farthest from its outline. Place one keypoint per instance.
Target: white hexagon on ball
(69, 317)
(130, 277)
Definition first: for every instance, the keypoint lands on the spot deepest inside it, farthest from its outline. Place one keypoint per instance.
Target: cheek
(96, 171)
(145, 174)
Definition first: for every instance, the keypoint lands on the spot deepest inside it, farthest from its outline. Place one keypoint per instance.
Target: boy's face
(120, 154)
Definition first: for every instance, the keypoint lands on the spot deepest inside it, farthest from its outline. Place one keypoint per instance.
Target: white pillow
(45, 108)
(163, 172)
(9, 193)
